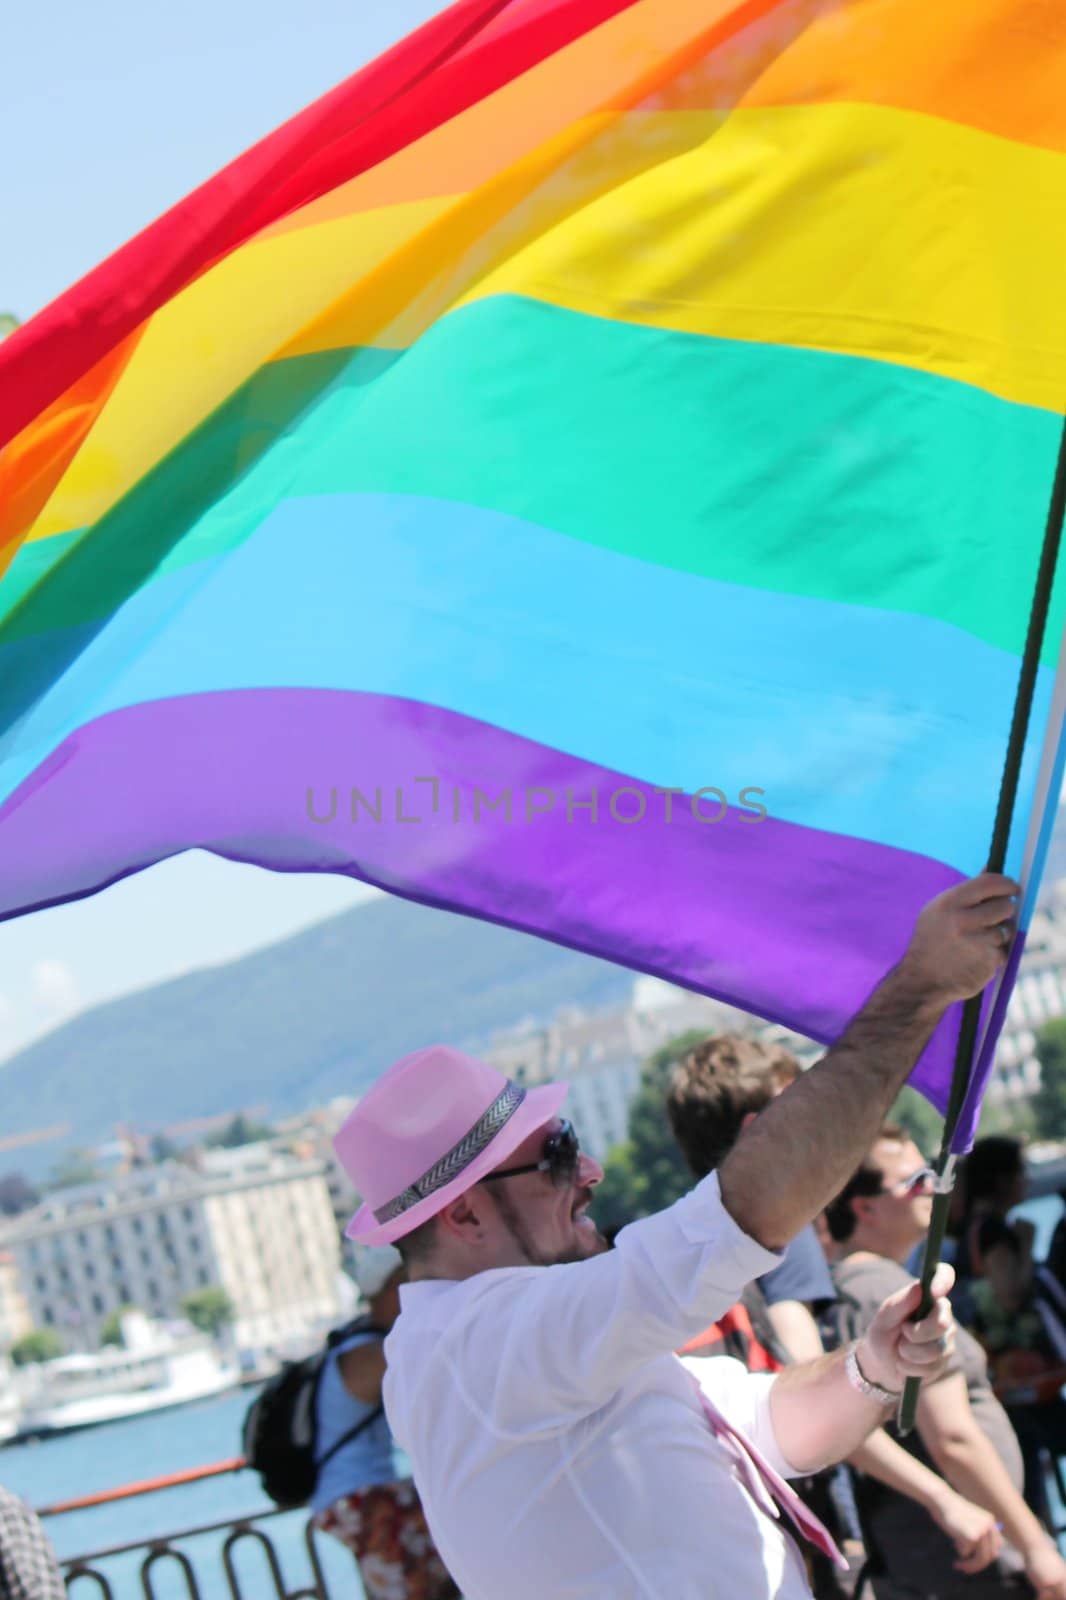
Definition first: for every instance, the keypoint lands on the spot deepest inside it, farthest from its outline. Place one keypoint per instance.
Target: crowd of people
(704, 1407)
(960, 1508)
(568, 1433)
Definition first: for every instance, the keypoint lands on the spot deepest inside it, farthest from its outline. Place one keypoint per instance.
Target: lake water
(102, 1458)
(82, 1463)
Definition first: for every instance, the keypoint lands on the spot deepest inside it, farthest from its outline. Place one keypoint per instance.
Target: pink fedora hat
(433, 1125)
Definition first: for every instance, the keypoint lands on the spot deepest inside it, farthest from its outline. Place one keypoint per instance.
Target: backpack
(745, 1333)
(279, 1430)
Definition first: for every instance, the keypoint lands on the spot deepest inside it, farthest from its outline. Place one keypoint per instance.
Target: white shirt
(561, 1450)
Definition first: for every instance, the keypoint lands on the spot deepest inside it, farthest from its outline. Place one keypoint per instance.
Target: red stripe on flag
(449, 64)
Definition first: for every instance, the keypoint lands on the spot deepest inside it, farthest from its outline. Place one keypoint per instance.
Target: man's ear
(463, 1219)
(861, 1207)
(747, 1120)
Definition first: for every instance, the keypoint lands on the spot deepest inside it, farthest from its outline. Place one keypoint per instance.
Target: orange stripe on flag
(36, 459)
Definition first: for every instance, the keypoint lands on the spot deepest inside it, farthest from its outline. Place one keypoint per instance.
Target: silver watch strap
(858, 1380)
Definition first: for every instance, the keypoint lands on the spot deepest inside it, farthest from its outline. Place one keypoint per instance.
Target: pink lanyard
(768, 1489)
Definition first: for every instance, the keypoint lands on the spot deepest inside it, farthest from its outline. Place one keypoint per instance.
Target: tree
(209, 1309)
(1012, 1117)
(1049, 1101)
(17, 1194)
(162, 1148)
(615, 1200)
(111, 1328)
(240, 1130)
(918, 1120)
(77, 1166)
(40, 1344)
(925, 1126)
(648, 1172)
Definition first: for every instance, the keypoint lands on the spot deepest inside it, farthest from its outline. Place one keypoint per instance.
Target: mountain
(316, 1015)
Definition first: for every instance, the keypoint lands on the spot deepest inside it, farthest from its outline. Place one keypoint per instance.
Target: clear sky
(110, 113)
(114, 110)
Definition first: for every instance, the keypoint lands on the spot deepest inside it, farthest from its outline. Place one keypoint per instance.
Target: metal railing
(85, 1577)
(83, 1570)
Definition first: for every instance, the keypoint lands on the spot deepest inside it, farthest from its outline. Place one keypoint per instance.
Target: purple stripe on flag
(789, 922)
(992, 1028)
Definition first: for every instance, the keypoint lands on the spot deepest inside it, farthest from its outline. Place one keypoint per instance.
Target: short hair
(990, 1161)
(867, 1179)
(715, 1086)
(415, 1246)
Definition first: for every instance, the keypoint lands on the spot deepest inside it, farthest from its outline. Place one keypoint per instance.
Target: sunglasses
(917, 1180)
(562, 1151)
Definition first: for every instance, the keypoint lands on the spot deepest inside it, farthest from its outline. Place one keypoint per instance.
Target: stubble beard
(514, 1222)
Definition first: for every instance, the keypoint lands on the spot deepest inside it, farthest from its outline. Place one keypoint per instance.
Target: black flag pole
(997, 854)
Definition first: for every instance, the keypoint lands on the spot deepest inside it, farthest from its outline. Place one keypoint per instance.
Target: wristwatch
(858, 1380)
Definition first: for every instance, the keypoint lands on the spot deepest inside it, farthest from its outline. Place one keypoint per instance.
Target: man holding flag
(558, 1445)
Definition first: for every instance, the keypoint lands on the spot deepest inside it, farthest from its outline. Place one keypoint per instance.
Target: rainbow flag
(588, 472)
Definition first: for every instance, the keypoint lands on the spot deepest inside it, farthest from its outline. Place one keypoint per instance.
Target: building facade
(601, 1054)
(15, 1319)
(253, 1222)
(309, 1136)
(1039, 995)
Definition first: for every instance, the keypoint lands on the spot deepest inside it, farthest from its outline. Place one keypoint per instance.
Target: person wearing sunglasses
(558, 1444)
(715, 1094)
(879, 1217)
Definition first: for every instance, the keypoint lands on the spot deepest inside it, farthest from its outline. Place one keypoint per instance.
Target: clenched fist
(961, 938)
(894, 1348)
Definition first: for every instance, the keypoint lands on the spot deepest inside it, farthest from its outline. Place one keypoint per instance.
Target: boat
(155, 1368)
(9, 1404)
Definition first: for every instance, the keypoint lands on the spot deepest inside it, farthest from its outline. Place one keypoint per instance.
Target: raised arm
(578, 1330)
(800, 1151)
